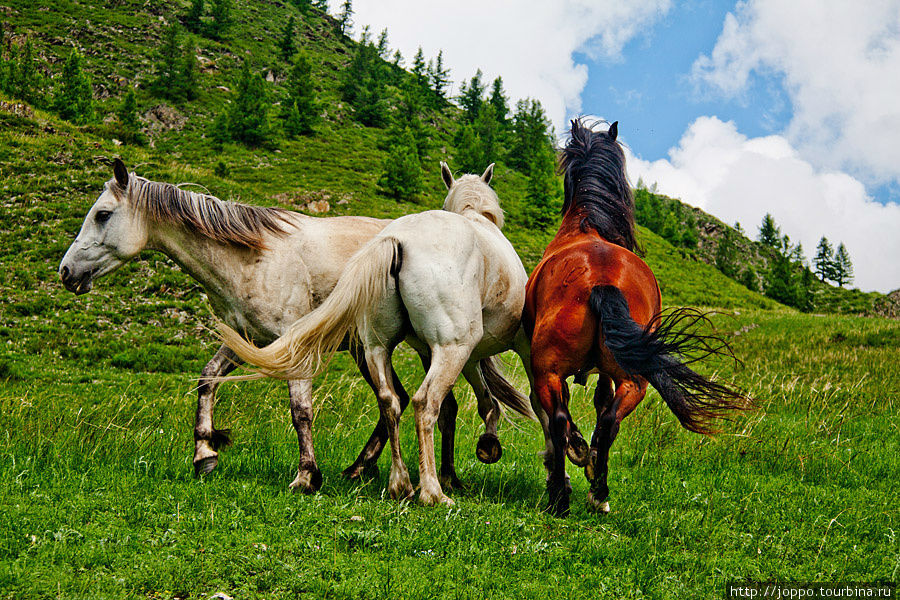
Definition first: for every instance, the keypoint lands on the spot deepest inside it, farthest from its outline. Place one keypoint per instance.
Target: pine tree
(769, 233)
(471, 96)
(221, 19)
(468, 149)
(823, 261)
(27, 82)
(129, 126)
(542, 191)
(727, 254)
(321, 5)
(689, 236)
(286, 46)
(439, 76)
(419, 68)
(188, 81)
(247, 116)
(529, 131)
(73, 99)
(345, 19)
(301, 109)
(397, 59)
(843, 267)
(402, 171)
(363, 86)
(167, 65)
(192, 20)
(384, 50)
(499, 101)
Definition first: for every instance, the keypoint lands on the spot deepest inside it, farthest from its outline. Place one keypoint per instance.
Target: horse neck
(217, 266)
(570, 227)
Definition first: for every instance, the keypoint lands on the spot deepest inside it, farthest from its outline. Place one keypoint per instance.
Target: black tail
(661, 353)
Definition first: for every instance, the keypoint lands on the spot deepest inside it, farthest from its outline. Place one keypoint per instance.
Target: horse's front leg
(208, 439)
(309, 478)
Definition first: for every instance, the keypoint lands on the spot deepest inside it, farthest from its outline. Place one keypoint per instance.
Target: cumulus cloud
(840, 64)
(716, 168)
(530, 43)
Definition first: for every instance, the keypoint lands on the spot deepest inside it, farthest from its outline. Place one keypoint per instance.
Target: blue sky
(738, 108)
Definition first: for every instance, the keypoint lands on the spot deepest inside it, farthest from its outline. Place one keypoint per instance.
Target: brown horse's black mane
(594, 167)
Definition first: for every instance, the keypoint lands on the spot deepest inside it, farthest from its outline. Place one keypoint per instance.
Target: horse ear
(446, 175)
(121, 173)
(488, 173)
(613, 130)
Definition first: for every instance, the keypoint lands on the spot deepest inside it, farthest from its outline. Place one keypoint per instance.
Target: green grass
(99, 498)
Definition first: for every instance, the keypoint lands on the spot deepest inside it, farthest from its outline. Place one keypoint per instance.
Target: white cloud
(840, 63)
(717, 169)
(530, 43)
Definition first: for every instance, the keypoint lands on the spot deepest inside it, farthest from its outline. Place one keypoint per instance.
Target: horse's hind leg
(447, 363)
(550, 390)
(309, 478)
(611, 409)
(366, 464)
(208, 439)
(488, 450)
(379, 364)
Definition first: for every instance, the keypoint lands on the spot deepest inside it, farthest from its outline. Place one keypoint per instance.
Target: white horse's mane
(223, 221)
(470, 192)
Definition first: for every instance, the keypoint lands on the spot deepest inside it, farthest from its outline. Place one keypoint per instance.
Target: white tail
(312, 339)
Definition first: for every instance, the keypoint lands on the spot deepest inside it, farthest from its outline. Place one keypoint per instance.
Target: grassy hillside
(97, 498)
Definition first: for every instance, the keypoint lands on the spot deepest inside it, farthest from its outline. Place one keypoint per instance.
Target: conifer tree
(188, 81)
(301, 109)
(247, 116)
(73, 99)
(439, 76)
(221, 18)
(345, 18)
(167, 64)
(419, 69)
(193, 19)
(129, 127)
(843, 267)
(402, 171)
(727, 254)
(499, 101)
(286, 46)
(769, 233)
(468, 149)
(320, 5)
(823, 261)
(529, 131)
(27, 83)
(397, 59)
(363, 86)
(542, 191)
(471, 96)
(384, 50)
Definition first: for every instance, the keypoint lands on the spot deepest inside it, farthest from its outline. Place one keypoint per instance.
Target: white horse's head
(471, 192)
(112, 233)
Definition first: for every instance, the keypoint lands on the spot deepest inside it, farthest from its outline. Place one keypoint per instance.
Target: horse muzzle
(79, 284)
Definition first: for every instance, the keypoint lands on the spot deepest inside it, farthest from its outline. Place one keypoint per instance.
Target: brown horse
(593, 305)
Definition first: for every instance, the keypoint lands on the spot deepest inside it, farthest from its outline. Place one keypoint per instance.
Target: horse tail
(661, 351)
(501, 389)
(301, 352)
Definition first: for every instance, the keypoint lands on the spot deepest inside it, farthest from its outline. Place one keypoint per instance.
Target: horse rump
(661, 351)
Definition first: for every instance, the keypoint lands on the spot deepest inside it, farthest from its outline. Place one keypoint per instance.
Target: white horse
(262, 269)
(448, 282)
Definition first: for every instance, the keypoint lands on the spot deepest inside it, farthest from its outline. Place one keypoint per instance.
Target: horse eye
(103, 216)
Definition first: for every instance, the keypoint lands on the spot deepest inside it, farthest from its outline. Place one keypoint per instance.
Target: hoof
(451, 482)
(559, 498)
(359, 472)
(601, 507)
(308, 481)
(402, 491)
(436, 500)
(488, 450)
(578, 450)
(205, 465)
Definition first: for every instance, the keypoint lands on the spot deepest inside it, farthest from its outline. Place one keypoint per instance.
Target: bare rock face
(888, 306)
(163, 117)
